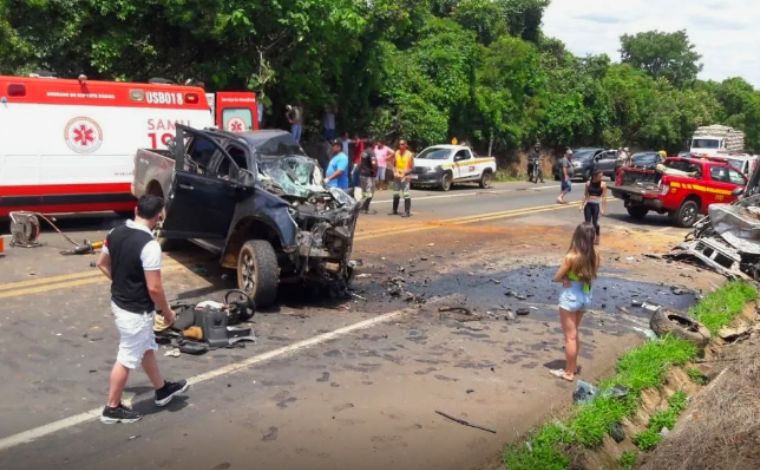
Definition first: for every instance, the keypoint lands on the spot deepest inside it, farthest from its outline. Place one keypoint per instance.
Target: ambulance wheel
(485, 179)
(258, 274)
(446, 181)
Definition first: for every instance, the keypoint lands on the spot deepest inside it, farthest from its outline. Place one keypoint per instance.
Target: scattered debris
(173, 352)
(650, 307)
(584, 392)
(636, 303)
(623, 309)
(463, 314)
(522, 311)
(363, 276)
(678, 291)
(649, 334)
(510, 315)
(731, 335)
(464, 423)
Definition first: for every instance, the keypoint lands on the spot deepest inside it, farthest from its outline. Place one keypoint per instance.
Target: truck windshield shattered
(294, 175)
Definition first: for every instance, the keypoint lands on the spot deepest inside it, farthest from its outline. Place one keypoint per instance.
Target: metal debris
(464, 423)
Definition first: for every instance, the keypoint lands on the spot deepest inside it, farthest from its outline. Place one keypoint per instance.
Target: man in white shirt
(131, 258)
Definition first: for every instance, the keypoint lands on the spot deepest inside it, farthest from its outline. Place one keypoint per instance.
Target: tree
(666, 55)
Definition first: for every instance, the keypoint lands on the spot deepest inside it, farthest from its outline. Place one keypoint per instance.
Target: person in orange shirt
(403, 163)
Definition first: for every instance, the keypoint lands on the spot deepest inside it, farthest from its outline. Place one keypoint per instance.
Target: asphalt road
(334, 383)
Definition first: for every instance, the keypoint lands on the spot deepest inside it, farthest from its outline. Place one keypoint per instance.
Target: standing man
(131, 259)
(403, 162)
(337, 169)
(564, 176)
(382, 154)
(367, 171)
(295, 118)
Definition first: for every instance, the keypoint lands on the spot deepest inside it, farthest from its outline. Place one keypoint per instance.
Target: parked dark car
(581, 164)
(647, 160)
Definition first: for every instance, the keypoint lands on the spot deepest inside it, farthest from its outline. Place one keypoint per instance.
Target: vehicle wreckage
(728, 239)
(255, 199)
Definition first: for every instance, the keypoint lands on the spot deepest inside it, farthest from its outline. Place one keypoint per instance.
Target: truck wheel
(687, 214)
(257, 272)
(485, 179)
(446, 181)
(637, 212)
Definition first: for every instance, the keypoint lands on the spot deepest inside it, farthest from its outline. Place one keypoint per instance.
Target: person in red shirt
(356, 161)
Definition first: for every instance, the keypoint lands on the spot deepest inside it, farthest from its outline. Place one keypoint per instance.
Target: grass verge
(642, 367)
(505, 176)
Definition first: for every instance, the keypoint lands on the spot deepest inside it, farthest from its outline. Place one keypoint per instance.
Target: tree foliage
(422, 69)
(666, 55)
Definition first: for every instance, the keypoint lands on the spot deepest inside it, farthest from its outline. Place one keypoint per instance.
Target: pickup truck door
(724, 181)
(462, 162)
(203, 199)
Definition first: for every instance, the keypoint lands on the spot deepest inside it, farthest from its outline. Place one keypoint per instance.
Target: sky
(726, 33)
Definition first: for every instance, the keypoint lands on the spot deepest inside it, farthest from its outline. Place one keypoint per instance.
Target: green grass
(628, 459)
(505, 176)
(643, 367)
(666, 418)
(696, 376)
(721, 306)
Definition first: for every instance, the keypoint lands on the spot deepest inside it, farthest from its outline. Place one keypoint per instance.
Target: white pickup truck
(446, 165)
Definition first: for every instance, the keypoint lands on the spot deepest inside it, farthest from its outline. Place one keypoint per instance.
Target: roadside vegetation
(643, 367)
(481, 70)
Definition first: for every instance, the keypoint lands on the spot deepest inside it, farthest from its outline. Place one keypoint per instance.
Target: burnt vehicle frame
(728, 239)
(259, 202)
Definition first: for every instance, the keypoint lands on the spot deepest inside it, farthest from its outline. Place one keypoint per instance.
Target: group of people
(367, 171)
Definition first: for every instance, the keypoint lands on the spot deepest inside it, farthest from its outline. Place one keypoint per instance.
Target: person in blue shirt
(337, 169)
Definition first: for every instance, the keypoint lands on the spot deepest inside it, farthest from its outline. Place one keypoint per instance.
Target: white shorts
(135, 336)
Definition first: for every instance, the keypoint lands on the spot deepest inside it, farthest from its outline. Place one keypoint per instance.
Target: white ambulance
(68, 145)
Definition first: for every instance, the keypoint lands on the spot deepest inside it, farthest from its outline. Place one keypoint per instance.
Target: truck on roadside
(716, 139)
(683, 188)
(256, 201)
(443, 166)
(68, 144)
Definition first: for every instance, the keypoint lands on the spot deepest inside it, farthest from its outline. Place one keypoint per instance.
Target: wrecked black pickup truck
(255, 199)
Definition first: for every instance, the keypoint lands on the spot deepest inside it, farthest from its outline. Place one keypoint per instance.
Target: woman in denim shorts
(576, 274)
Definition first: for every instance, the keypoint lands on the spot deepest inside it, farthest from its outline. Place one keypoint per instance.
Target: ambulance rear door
(236, 111)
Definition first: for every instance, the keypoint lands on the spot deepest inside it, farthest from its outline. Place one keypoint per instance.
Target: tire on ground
(679, 325)
(637, 212)
(258, 273)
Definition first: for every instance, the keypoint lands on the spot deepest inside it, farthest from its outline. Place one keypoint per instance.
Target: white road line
(474, 193)
(31, 435)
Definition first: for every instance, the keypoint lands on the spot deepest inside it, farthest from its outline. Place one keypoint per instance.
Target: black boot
(365, 207)
(396, 200)
(407, 207)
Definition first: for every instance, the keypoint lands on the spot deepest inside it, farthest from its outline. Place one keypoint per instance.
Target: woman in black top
(595, 201)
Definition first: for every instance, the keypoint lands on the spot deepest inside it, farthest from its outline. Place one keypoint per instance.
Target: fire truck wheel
(687, 214)
(258, 273)
(637, 212)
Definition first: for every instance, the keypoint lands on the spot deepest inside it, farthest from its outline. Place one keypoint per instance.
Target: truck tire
(686, 215)
(485, 179)
(637, 212)
(665, 322)
(446, 181)
(258, 274)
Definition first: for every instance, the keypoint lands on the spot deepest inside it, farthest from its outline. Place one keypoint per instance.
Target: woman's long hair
(582, 255)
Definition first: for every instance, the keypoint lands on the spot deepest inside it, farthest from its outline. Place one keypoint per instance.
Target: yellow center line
(98, 279)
